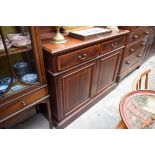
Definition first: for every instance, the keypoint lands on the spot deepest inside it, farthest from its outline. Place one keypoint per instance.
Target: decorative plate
(29, 78)
(3, 88)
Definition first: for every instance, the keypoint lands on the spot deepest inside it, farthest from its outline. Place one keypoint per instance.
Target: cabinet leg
(138, 67)
(49, 115)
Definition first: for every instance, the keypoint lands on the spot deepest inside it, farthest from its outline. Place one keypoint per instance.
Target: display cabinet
(22, 78)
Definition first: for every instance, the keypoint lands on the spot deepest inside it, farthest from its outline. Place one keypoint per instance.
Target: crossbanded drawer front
(77, 57)
(112, 45)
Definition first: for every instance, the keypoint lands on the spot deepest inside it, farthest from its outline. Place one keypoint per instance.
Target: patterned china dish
(23, 42)
(8, 44)
(18, 40)
(3, 88)
(30, 78)
(7, 80)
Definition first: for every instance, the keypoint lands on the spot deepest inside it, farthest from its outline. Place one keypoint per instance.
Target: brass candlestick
(58, 38)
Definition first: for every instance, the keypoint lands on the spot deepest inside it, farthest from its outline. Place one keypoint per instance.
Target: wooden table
(137, 109)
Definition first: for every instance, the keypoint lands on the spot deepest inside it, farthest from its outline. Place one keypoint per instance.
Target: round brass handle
(128, 62)
(24, 104)
(143, 44)
(146, 32)
(135, 36)
(79, 56)
(84, 55)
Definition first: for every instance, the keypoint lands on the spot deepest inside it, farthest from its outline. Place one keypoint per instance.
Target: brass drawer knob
(24, 104)
(139, 55)
(128, 62)
(146, 32)
(135, 37)
(143, 44)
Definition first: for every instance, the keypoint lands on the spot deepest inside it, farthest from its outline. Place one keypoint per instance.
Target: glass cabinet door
(17, 61)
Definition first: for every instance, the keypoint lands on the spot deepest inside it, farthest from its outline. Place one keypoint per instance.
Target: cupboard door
(77, 87)
(17, 54)
(108, 70)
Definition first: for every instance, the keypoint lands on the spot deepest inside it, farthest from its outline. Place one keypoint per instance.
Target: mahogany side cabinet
(79, 73)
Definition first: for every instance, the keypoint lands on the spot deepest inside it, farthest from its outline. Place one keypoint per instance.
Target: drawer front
(113, 44)
(134, 48)
(77, 57)
(134, 36)
(131, 60)
(11, 108)
(19, 104)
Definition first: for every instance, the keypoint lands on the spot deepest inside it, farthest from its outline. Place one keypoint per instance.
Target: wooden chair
(140, 82)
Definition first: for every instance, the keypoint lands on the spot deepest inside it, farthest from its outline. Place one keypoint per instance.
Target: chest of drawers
(135, 50)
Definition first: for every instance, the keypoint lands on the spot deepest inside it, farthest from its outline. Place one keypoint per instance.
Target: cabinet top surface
(72, 43)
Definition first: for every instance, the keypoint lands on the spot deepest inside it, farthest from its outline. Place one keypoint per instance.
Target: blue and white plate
(29, 78)
(3, 88)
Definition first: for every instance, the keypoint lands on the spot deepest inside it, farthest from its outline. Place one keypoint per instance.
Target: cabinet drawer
(11, 108)
(131, 60)
(77, 57)
(21, 103)
(134, 36)
(111, 45)
(134, 48)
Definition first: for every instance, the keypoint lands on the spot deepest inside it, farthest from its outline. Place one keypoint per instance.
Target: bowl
(14, 36)
(22, 42)
(29, 78)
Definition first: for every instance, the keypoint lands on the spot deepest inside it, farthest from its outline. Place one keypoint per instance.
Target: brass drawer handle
(82, 57)
(146, 32)
(139, 55)
(128, 62)
(143, 44)
(24, 104)
(114, 45)
(132, 49)
(135, 36)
